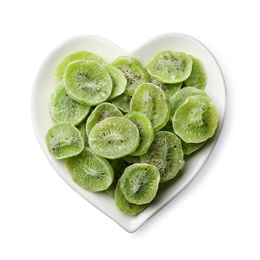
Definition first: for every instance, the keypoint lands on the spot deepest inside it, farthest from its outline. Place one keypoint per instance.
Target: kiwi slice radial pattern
(114, 137)
(150, 100)
(134, 72)
(65, 109)
(87, 82)
(170, 67)
(196, 120)
(101, 112)
(139, 183)
(90, 171)
(146, 131)
(64, 140)
(166, 154)
(125, 206)
(79, 55)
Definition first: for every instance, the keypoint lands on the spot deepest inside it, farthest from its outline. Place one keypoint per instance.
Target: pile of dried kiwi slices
(124, 128)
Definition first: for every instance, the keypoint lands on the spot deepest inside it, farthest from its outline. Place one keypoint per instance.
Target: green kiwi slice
(118, 79)
(170, 66)
(82, 129)
(197, 78)
(122, 102)
(65, 109)
(101, 112)
(169, 89)
(126, 206)
(150, 100)
(139, 183)
(64, 140)
(146, 131)
(189, 148)
(196, 120)
(79, 55)
(134, 72)
(90, 171)
(181, 96)
(114, 137)
(166, 154)
(87, 82)
(118, 166)
(132, 159)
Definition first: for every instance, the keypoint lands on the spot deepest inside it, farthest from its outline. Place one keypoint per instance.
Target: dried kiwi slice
(122, 102)
(134, 72)
(87, 82)
(170, 66)
(145, 129)
(169, 89)
(118, 79)
(166, 154)
(90, 171)
(64, 140)
(118, 166)
(197, 78)
(196, 120)
(101, 112)
(114, 137)
(189, 148)
(181, 96)
(65, 109)
(139, 183)
(124, 205)
(82, 129)
(150, 100)
(79, 55)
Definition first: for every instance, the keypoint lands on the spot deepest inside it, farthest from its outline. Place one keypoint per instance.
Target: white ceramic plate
(45, 83)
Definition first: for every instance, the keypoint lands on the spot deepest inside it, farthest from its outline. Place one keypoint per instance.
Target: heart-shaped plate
(45, 83)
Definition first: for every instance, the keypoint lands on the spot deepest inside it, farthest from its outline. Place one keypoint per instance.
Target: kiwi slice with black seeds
(87, 82)
(166, 154)
(64, 140)
(114, 137)
(139, 183)
(134, 72)
(90, 171)
(79, 55)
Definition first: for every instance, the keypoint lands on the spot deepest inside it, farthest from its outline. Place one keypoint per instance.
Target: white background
(216, 217)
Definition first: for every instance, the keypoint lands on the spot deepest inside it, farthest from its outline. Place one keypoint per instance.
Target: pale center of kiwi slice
(170, 63)
(89, 170)
(57, 144)
(68, 104)
(165, 161)
(138, 182)
(161, 156)
(85, 83)
(113, 137)
(197, 116)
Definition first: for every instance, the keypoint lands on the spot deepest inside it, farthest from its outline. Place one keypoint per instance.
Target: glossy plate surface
(45, 83)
